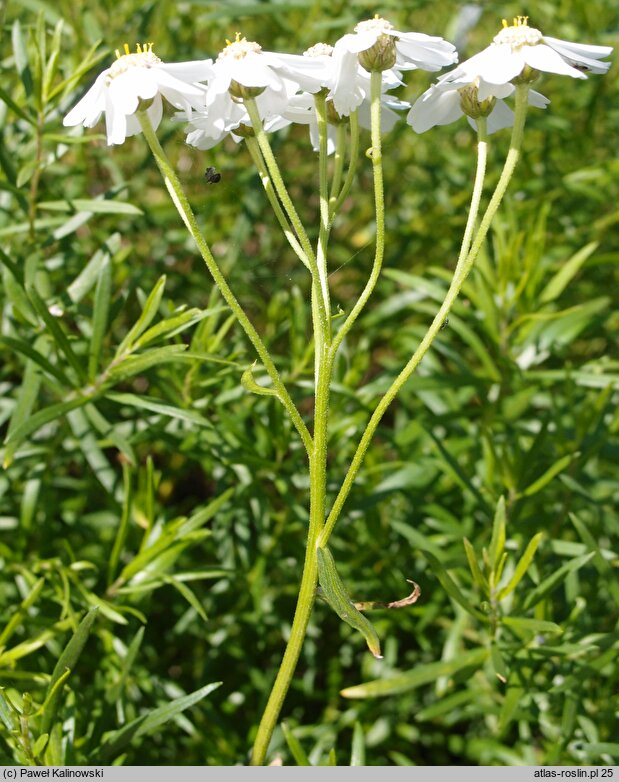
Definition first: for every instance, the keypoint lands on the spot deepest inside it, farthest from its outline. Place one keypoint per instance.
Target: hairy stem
(184, 209)
(459, 277)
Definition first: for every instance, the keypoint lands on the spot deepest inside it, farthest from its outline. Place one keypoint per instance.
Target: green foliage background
(142, 480)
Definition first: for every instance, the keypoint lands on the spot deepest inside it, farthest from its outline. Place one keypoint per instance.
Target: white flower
(446, 102)
(517, 46)
(412, 50)
(302, 108)
(135, 77)
(243, 70)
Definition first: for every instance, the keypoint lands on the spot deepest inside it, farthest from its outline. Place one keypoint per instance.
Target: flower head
(371, 45)
(138, 80)
(242, 71)
(447, 101)
(518, 48)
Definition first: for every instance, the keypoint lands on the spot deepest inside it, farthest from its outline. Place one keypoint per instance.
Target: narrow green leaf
(497, 542)
(155, 406)
(123, 527)
(149, 311)
(8, 715)
(531, 625)
(595, 749)
(554, 580)
(22, 413)
(19, 346)
(294, 745)
(35, 422)
(134, 365)
(511, 703)
(357, 753)
(521, 567)
(21, 57)
(40, 744)
(249, 384)
(171, 326)
(114, 693)
(567, 271)
(422, 674)
(60, 338)
(52, 61)
(15, 108)
(189, 596)
(91, 206)
(67, 660)
(97, 460)
(89, 275)
(450, 586)
(498, 663)
(103, 295)
(478, 577)
(336, 595)
(550, 473)
(19, 614)
(148, 723)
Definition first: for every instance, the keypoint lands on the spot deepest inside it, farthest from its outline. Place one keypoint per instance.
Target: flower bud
(244, 131)
(471, 105)
(381, 56)
(333, 118)
(145, 103)
(527, 76)
(241, 92)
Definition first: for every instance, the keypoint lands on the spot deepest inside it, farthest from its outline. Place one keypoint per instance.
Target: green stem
(256, 155)
(352, 167)
(480, 174)
(379, 203)
(323, 233)
(321, 323)
(338, 165)
(318, 485)
(184, 209)
(456, 284)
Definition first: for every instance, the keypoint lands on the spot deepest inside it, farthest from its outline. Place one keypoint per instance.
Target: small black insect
(444, 324)
(212, 175)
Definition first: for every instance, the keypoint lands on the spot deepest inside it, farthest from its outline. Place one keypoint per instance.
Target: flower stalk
(181, 203)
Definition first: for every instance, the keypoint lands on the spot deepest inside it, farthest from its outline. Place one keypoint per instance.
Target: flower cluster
(211, 96)
(478, 86)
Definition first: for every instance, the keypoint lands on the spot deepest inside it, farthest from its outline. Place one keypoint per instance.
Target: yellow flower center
(518, 34)
(143, 57)
(319, 50)
(377, 24)
(239, 48)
